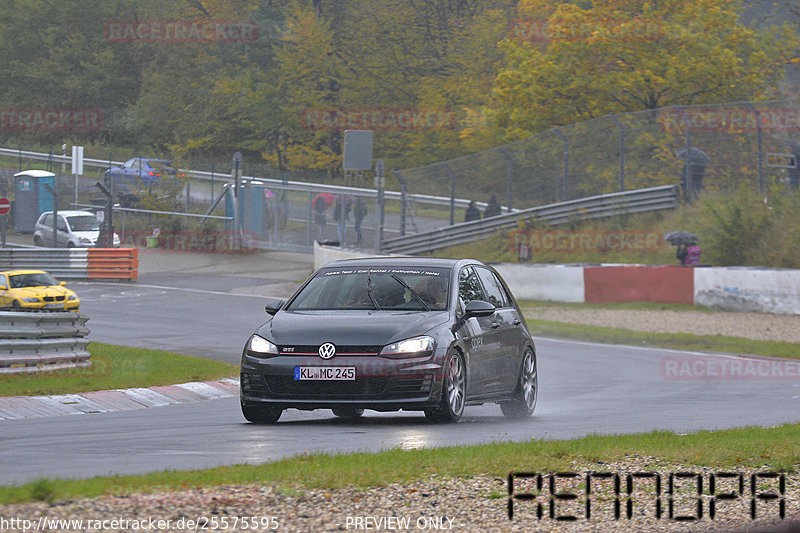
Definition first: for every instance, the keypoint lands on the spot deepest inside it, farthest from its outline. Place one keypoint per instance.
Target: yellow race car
(27, 290)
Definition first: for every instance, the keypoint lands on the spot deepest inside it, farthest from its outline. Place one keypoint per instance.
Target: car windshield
(83, 223)
(41, 279)
(375, 288)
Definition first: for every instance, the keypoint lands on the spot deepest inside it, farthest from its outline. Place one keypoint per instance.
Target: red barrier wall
(666, 284)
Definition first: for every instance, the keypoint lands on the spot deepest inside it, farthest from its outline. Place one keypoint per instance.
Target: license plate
(321, 373)
(55, 306)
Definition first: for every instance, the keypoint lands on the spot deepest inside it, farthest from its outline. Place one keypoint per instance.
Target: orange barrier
(667, 284)
(113, 263)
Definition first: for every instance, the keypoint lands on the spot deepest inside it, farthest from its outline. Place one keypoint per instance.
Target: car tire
(70, 245)
(37, 241)
(348, 414)
(15, 306)
(454, 388)
(258, 414)
(525, 395)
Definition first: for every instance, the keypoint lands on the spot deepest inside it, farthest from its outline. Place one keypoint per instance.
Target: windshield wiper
(369, 292)
(412, 291)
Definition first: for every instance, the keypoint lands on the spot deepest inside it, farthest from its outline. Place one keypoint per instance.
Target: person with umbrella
(688, 252)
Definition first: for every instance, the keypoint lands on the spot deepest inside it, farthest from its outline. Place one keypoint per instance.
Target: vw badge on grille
(327, 350)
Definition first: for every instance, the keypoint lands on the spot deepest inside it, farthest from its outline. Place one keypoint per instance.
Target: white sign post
(77, 168)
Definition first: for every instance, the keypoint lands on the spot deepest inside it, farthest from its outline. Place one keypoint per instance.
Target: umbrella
(326, 196)
(676, 238)
(693, 155)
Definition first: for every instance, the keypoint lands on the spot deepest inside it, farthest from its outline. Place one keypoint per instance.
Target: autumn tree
(575, 63)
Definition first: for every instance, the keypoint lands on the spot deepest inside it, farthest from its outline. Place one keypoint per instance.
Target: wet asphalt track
(584, 388)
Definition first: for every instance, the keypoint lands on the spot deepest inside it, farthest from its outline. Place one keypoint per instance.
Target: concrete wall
(733, 289)
(749, 289)
(556, 283)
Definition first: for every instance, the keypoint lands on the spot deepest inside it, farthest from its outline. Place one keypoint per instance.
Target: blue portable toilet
(31, 198)
(252, 202)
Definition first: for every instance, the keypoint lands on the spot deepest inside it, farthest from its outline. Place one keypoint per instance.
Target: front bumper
(381, 384)
(50, 306)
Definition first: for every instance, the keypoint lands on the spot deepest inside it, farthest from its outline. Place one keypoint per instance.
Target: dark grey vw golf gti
(418, 334)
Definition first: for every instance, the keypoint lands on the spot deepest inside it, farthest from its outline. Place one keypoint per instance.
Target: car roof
(71, 213)
(401, 262)
(22, 271)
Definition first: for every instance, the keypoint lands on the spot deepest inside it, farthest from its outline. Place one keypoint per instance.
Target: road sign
(5, 206)
(779, 160)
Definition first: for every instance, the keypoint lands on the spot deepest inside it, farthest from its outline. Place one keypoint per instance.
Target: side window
(495, 292)
(469, 287)
(129, 163)
(48, 220)
(61, 224)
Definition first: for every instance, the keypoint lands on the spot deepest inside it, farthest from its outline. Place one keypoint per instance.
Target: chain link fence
(707, 147)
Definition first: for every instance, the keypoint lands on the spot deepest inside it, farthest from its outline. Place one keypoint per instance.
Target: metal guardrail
(74, 263)
(288, 185)
(36, 341)
(67, 263)
(628, 202)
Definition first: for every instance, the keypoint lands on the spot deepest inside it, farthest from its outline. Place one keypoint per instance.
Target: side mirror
(478, 308)
(62, 283)
(274, 305)
(3, 288)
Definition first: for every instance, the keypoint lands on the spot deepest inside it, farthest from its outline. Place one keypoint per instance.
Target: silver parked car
(75, 229)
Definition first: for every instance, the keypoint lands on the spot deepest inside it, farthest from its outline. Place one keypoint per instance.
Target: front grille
(53, 298)
(288, 387)
(340, 350)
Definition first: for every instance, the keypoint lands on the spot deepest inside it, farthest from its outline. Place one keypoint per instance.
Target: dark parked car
(137, 172)
(418, 334)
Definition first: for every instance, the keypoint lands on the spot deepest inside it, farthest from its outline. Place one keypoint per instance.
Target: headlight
(72, 297)
(414, 347)
(261, 345)
(86, 240)
(30, 300)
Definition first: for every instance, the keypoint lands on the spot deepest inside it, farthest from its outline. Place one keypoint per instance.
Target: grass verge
(767, 448)
(118, 367)
(675, 341)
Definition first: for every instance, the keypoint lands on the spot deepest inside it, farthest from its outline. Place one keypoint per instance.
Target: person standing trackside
(319, 215)
(472, 212)
(360, 213)
(492, 208)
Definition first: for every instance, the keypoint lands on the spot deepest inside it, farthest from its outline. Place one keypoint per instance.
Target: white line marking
(199, 291)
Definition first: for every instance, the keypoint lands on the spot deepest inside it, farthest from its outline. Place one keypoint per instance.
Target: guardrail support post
(509, 178)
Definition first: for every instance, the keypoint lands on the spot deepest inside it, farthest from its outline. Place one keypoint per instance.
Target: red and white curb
(107, 401)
